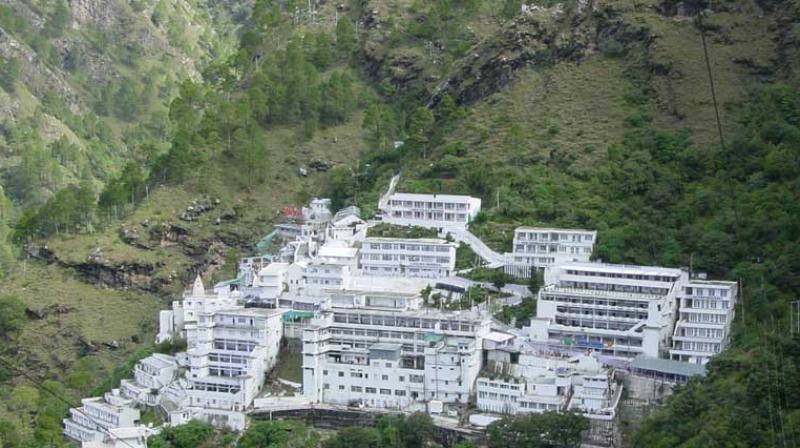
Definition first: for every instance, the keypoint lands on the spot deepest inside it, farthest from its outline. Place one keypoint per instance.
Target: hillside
(594, 114)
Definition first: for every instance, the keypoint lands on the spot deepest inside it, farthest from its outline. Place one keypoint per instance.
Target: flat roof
(712, 282)
(497, 336)
(439, 241)
(159, 360)
(266, 312)
(273, 268)
(609, 267)
(328, 251)
(667, 366)
(551, 229)
(434, 196)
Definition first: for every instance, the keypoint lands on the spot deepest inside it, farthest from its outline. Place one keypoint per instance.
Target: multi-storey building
(536, 248)
(382, 350)
(429, 258)
(619, 310)
(705, 314)
(104, 421)
(231, 352)
(522, 378)
(430, 210)
(321, 275)
(184, 313)
(150, 375)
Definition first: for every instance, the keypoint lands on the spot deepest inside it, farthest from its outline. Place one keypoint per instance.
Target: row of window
(498, 385)
(436, 216)
(543, 249)
(368, 390)
(655, 278)
(409, 258)
(431, 205)
(553, 236)
(408, 247)
(399, 321)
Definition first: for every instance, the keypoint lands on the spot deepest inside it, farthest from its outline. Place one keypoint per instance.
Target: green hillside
(169, 149)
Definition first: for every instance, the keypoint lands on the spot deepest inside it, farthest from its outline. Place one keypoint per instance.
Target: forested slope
(591, 114)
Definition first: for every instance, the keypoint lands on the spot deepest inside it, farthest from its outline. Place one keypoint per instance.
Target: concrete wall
(333, 419)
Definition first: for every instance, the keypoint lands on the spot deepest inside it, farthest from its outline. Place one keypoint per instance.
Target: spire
(198, 289)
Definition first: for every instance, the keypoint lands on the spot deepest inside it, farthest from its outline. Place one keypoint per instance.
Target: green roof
(292, 315)
(667, 366)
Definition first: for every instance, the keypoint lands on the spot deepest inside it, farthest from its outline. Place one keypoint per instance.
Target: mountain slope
(591, 114)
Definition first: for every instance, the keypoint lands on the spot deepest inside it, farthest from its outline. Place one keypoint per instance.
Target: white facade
(705, 315)
(619, 310)
(380, 350)
(430, 210)
(103, 421)
(150, 375)
(429, 258)
(537, 248)
(320, 275)
(232, 352)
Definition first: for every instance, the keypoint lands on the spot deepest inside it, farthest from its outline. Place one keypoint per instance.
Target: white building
(104, 421)
(184, 313)
(537, 248)
(150, 375)
(430, 210)
(382, 350)
(231, 354)
(429, 257)
(347, 225)
(705, 314)
(521, 377)
(619, 310)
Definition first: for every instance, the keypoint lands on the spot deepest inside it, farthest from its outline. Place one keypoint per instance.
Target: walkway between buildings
(492, 258)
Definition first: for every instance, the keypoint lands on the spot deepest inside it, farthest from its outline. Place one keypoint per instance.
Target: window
(385, 377)
(341, 387)
(355, 389)
(324, 373)
(386, 391)
(400, 393)
(401, 378)
(341, 374)
(372, 390)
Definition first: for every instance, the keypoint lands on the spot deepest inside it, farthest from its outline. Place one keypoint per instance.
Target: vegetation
(547, 430)
(623, 139)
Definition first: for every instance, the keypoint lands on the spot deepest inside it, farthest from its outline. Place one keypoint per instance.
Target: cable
(41, 386)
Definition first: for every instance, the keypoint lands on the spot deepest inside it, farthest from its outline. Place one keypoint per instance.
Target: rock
(113, 345)
(35, 314)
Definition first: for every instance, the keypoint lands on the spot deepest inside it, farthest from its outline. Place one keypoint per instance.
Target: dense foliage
(547, 430)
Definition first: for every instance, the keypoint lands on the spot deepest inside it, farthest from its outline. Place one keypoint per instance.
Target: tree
(416, 430)
(278, 434)
(547, 430)
(9, 436)
(419, 126)
(535, 282)
(190, 435)
(354, 438)
(9, 73)
(12, 315)
(59, 20)
(346, 39)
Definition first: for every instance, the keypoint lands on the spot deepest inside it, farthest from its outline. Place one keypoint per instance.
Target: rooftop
(551, 229)
(667, 366)
(625, 268)
(428, 197)
(438, 241)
